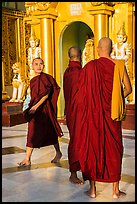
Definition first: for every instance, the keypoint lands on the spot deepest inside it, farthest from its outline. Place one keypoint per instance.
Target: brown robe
(43, 128)
(70, 80)
(99, 142)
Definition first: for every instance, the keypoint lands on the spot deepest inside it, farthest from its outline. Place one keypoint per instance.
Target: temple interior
(54, 27)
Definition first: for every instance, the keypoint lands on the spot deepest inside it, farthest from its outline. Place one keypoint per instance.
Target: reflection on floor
(48, 182)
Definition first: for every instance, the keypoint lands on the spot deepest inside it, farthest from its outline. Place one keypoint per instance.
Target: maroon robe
(70, 81)
(99, 137)
(44, 129)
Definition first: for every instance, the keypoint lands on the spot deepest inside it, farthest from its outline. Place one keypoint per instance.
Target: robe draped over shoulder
(100, 137)
(118, 109)
(44, 129)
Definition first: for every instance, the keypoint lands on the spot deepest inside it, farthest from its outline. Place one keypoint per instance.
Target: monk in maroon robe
(70, 80)
(99, 137)
(43, 127)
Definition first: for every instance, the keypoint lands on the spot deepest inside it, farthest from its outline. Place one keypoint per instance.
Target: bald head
(105, 45)
(74, 53)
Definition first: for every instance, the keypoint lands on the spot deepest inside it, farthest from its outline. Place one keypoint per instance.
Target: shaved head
(74, 53)
(105, 45)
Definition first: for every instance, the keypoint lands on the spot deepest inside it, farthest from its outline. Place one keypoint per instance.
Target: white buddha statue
(121, 49)
(88, 52)
(33, 52)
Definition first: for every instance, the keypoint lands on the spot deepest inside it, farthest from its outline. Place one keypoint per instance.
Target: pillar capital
(101, 9)
(35, 17)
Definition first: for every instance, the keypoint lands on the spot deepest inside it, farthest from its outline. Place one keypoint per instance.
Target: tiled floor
(47, 182)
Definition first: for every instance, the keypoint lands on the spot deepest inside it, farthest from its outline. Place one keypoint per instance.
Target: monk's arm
(34, 108)
(127, 84)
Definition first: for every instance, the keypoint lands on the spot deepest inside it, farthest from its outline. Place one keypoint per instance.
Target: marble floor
(48, 182)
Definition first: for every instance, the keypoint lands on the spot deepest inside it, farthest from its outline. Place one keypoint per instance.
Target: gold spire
(122, 30)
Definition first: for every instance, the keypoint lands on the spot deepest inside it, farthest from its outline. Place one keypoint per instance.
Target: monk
(99, 109)
(70, 80)
(43, 127)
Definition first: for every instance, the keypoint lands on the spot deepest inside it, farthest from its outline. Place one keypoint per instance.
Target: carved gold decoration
(35, 6)
(27, 36)
(100, 3)
(11, 44)
(5, 48)
(122, 31)
(23, 60)
(10, 50)
(42, 6)
(4, 93)
(22, 47)
(109, 3)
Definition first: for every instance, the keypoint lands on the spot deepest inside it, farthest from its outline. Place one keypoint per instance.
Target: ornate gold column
(131, 37)
(101, 14)
(47, 44)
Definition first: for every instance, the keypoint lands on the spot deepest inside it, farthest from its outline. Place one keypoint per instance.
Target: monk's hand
(33, 109)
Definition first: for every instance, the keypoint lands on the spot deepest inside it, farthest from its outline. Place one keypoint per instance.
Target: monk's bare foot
(91, 193)
(57, 157)
(118, 195)
(75, 180)
(25, 162)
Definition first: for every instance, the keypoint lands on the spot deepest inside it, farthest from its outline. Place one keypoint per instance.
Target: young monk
(43, 127)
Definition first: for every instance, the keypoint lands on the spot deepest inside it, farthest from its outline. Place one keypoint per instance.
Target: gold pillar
(131, 41)
(101, 28)
(47, 47)
(101, 22)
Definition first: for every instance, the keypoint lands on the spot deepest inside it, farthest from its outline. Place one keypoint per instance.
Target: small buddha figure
(122, 50)
(33, 52)
(88, 52)
(18, 84)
